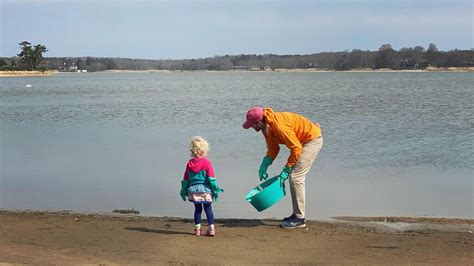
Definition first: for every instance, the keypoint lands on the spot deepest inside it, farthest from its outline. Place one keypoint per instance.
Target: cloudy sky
(202, 28)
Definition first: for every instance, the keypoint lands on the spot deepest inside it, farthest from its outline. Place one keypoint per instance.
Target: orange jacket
(290, 129)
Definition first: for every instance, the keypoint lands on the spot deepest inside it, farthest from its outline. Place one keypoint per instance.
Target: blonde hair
(199, 146)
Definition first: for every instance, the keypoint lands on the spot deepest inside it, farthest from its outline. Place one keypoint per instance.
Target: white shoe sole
(293, 227)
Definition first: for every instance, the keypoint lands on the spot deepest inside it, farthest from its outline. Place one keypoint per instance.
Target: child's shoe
(210, 231)
(197, 231)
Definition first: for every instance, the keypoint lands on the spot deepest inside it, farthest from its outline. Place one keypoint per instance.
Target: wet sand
(71, 238)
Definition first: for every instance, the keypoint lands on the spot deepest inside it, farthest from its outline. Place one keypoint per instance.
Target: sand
(26, 73)
(72, 238)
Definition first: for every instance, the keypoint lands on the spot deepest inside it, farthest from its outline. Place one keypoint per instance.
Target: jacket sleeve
(273, 148)
(210, 169)
(186, 176)
(288, 136)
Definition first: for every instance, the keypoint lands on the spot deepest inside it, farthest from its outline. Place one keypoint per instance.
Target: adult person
(304, 140)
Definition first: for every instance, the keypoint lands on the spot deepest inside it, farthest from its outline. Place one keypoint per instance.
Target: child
(199, 184)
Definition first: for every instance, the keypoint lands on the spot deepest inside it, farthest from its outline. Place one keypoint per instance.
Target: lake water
(394, 143)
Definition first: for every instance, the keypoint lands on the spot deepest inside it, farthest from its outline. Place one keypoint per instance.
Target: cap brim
(247, 124)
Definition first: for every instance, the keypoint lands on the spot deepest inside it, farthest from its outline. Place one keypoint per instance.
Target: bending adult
(304, 140)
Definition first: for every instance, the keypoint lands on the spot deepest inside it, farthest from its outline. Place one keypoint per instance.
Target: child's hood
(197, 164)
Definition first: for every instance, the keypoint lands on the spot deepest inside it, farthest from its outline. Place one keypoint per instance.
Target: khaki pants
(298, 174)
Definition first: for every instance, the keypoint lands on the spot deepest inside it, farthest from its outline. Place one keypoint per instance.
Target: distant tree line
(386, 57)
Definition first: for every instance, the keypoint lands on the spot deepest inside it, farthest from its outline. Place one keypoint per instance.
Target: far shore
(277, 70)
(12, 73)
(64, 237)
(428, 69)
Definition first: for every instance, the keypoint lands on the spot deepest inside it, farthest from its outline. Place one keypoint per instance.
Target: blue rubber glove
(285, 173)
(262, 171)
(215, 188)
(184, 189)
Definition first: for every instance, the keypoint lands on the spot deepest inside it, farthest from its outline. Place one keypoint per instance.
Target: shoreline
(65, 237)
(349, 219)
(277, 70)
(6, 74)
(285, 70)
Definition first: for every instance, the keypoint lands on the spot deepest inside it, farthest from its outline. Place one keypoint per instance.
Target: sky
(182, 29)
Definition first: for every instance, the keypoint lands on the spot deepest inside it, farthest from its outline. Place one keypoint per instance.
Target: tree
(432, 48)
(419, 49)
(385, 47)
(79, 64)
(2, 63)
(385, 56)
(31, 56)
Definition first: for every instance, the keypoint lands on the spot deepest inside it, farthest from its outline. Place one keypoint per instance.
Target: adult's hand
(285, 173)
(262, 170)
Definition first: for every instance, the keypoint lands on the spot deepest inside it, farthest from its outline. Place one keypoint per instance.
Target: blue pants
(198, 211)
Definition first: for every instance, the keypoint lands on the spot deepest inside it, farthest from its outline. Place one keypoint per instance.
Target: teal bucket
(266, 194)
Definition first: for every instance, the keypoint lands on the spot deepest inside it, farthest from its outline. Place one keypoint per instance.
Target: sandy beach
(71, 238)
(26, 73)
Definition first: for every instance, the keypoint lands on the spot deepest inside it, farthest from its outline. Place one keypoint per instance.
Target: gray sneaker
(293, 222)
(289, 217)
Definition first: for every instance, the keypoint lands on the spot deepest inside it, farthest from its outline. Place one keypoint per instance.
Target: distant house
(73, 68)
(407, 63)
(467, 64)
(412, 63)
(423, 63)
(66, 68)
(240, 68)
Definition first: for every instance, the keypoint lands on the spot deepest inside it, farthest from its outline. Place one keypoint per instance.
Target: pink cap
(254, 115)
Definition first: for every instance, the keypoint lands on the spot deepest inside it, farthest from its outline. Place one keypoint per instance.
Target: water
(394, 143)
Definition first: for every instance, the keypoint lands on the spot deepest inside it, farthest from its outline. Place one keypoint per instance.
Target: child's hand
(215, 188)
(184, 189)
